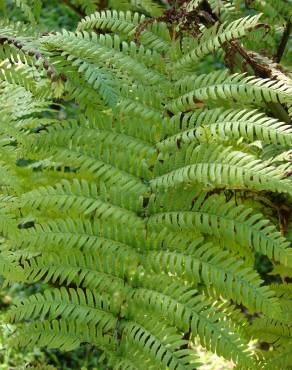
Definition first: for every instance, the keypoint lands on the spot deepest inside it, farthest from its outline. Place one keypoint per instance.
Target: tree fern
(142, 191)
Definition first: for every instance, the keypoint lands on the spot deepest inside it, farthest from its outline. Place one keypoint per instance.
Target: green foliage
(141, 190)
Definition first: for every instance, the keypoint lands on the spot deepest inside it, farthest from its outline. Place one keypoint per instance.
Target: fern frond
(62, 334)
(221, 168)
(271, 331)
(188, 310)
(213, 37)
(161, 344)
(274, 10)
(125, 24)
(224, 9)
(7, 218)
(249, 124)
(10, 268)
(233, 223)
(132, 58)
(73, 305)
(83, 273)
(26, 9)
(209, 265)
(74, 234)
(280, 359)
(102, 171)
(81, 197)
(10, 28)
(109, 145)
(143, 195)
(89, 6)
(17, 74)
(149, 6)
(237, 87)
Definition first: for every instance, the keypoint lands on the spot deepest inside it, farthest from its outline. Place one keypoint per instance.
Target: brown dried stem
(51, 71)
(283, 42)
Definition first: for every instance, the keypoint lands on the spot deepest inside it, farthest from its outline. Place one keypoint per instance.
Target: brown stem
(263, 71)
(259, 69)
(283, 42)
(75, 8)
(51, 72)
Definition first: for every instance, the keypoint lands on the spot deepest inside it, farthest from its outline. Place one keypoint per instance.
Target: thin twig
(283, 42)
